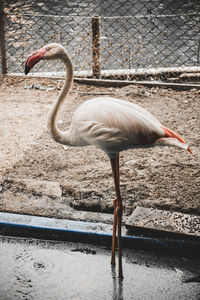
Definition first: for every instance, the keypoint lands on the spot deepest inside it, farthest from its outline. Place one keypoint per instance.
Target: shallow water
(33, 269)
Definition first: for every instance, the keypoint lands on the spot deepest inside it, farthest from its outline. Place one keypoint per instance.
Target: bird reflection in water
(117, 285)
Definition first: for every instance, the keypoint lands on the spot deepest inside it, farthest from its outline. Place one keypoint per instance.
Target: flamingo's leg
(114, 231)
(119, 240)
(118, 211)
(115, 214)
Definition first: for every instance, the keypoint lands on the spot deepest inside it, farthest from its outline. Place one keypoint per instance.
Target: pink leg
(115, 216)
(114, 231)
(117, 213)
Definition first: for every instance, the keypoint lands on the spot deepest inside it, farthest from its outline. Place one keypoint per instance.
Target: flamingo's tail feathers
(173, 139)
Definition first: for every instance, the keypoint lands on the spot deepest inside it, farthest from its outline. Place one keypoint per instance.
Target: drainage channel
(93, 233)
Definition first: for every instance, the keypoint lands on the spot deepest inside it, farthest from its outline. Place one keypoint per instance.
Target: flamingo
(110, 124)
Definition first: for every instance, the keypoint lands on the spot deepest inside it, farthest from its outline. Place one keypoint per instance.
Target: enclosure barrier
(121, 40)
(2, 40)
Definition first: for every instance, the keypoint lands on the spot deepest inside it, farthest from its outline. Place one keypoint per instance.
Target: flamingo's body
(111, 124)
(107, 123)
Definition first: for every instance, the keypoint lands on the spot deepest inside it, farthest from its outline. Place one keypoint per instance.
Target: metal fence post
(96, 43)
(2, 39)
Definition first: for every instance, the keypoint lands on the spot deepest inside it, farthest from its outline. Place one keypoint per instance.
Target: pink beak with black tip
(33, 59)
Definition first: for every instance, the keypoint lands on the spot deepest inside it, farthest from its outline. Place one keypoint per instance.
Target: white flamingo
(111, 124)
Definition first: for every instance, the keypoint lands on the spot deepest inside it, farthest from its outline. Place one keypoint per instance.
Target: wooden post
(2, 39)
(96, 43)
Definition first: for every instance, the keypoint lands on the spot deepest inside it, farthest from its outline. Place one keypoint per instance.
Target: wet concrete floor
(37, 269)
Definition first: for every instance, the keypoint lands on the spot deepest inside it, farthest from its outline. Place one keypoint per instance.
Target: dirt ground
(40, 177)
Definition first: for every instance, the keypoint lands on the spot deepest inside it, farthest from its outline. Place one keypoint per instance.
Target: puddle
(34, 269)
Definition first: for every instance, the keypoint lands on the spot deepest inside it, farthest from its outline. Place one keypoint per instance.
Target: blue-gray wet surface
(35, 269)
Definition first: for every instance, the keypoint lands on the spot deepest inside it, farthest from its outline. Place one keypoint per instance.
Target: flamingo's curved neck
(62, 137)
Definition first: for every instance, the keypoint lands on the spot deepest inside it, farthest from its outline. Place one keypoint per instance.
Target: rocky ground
(40, 177)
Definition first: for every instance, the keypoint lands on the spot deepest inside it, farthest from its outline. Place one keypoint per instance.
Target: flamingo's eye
(48, 48)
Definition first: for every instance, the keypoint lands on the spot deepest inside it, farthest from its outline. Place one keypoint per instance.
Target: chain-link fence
(132, 40)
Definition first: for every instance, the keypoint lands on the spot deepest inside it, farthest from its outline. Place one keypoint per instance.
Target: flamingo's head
(50, 51)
